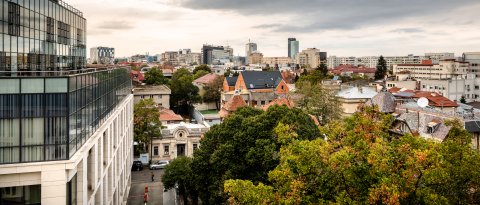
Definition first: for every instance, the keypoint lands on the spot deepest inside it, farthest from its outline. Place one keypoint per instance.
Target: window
(195, 146)
(63, 33)
(155, 151)
(50, 29)
(166, 149)
(151, 96)
(13, 19)
(142, 96)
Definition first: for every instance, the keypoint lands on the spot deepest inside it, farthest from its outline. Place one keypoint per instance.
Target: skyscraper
(215, 55)
(293, 47)
(249, 49)
(66, 132)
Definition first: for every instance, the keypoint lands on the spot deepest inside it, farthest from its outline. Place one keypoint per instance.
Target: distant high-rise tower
(250, 48)
(293, 47)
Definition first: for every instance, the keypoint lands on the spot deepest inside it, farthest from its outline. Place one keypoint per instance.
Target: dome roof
(385, 102)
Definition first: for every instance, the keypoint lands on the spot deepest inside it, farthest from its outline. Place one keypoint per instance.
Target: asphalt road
(142, 179)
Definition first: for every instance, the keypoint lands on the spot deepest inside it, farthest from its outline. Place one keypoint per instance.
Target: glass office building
(41, 35)
(50, 118)
(49, 103)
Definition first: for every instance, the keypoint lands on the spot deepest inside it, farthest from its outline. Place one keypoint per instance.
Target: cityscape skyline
(346, 28)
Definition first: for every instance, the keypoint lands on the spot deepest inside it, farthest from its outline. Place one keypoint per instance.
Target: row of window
(166, 149)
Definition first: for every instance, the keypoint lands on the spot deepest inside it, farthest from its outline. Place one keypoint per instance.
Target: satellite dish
(422, 102)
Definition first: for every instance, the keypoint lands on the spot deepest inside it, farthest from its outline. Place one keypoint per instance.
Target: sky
(339, 27)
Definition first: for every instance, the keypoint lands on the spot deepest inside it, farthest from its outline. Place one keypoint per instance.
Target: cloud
(267, 26)
(115, 25)
(408, 30)
(318, 15)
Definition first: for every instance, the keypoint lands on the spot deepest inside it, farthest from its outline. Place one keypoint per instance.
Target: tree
(462, 100)
(361, 163)
(147, 123)
(179, 172)
(323, 69)
(184, 93)
(200, 74)
(155, 77)
(213, 91)
(203, 67)
(381, 71)
(245, 146)
(318, 101)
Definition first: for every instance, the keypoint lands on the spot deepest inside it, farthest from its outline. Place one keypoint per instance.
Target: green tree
(179, 172)
(318, 101)
(155, 77)
(462, 100)
(323, 69)
(200, 74)
(361, 163)
(203, 67)
(213, 91)
(184, 93)
(245, 146)
(381, 71)
(146, 123)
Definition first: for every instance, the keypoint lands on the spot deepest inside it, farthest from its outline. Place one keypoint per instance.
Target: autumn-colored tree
(361, 163)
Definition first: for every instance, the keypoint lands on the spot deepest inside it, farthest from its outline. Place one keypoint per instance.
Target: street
(156, 196)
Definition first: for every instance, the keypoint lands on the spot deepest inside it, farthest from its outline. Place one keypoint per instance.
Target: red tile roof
(435, 99)
(169, 115)
(280, 102)
(206, 79)
(137, 75)
(234, 103)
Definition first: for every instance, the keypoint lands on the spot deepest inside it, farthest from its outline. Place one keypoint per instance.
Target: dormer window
(432, 127)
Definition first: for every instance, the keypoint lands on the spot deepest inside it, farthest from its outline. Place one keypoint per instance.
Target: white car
(160, 164)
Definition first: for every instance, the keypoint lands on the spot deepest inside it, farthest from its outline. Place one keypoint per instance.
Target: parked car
(160, 164)
(137, 166)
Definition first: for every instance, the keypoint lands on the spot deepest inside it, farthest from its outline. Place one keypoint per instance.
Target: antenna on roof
(422, 102)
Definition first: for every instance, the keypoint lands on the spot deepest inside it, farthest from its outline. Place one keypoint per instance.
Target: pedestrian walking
(145, 198)
(153, 177)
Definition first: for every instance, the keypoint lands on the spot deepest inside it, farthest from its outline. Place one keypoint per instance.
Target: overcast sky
(339, 27)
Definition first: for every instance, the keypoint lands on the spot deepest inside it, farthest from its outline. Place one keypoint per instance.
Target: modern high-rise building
(293, 47)
(102, 55)
(249, 49)
(66, 132)
(216, 55)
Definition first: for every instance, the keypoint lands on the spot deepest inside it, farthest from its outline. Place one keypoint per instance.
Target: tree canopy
(155, 77)
(179, 172)
(200, 74)
(213, 91)
(184, 93)
(382, 69)
(361, 163)
(318, 101)
(245, 146)
(203, 67)
(147, 123)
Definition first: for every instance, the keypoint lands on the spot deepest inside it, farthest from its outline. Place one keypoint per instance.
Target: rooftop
(261, 79)
(357, 93)
(169, 115)
(152, 89)
(206, 79)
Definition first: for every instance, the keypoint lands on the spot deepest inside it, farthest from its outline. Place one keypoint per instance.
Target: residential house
(169, 117)
(257, 88)
(159, 93)
(231, 106)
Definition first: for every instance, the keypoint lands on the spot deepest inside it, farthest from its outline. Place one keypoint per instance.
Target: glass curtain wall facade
(50, 118)
(41, 35)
